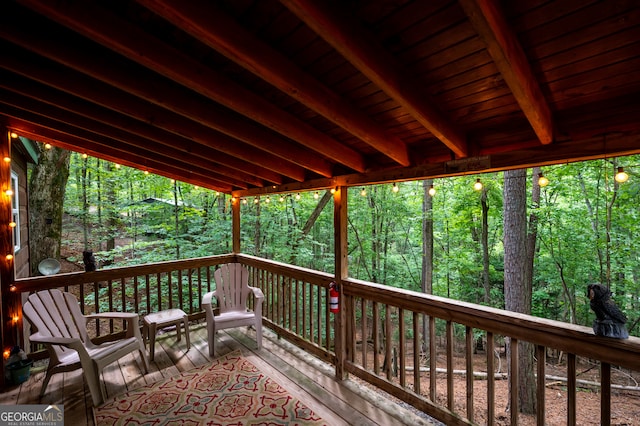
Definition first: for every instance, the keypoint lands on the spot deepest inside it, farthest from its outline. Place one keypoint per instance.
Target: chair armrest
(51, 340)
(257, 293)
(209, 298)
(113, 315)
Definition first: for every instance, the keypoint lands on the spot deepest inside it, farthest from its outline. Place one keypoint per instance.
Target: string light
(268, 200)
(12, 224)
(244, 201)
(395, 187)
(363, 192)
(9, 256)
(256, 200)
(9, 192)
(12, 288)
(316, 195)
(621, 175)
(47, 146)
(7, 159)
(282, 198)
(432, 191)
(14, 135)
(333, 190)
(85, 155)
(478, 185)
(542, 180)
(298, 197)
(117, 166)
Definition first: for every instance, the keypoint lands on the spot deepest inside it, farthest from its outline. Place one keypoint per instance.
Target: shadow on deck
(304, 376)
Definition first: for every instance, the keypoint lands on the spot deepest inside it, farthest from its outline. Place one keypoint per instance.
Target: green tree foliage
(586, 231)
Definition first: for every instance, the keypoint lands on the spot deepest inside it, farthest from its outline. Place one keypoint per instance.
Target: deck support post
(235, 224)
(11, 312)
(341, 272)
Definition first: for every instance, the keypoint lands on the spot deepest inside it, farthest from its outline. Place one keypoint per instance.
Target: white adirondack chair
(231, 293)
(61, 327)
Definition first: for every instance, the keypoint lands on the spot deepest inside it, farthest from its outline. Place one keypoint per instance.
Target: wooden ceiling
(255, 96)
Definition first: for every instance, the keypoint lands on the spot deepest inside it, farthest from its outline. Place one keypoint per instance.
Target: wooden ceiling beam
(130, 141)
(118, 35)
(510, 59)
(372, 59)
(207, 23)
(230, 152)
(72, 143)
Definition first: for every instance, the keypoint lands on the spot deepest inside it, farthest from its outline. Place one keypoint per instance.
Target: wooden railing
(391, 338)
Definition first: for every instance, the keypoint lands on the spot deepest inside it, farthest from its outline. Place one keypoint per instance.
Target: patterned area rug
(230, 391)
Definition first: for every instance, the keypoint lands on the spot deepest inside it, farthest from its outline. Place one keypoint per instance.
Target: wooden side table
(151, 322)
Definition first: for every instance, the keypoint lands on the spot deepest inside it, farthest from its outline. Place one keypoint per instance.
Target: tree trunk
(517, 291)
(427, 251)
(46, 196)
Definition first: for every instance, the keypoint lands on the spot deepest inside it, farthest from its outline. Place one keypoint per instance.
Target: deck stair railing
(416, 347)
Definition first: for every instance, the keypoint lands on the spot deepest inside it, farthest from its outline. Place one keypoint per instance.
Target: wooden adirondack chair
(231, 293)
(60, 326)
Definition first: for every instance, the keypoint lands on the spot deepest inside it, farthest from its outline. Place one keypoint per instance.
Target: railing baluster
(450, 392)
(491, 380)
(388, 343)
(147, 291)
(514, 385)
(417, 345)
(136, 298)
(170, 288)
(571, 389)
(541, 354)
(364, 318)
(402, 343)
(605, 394)
(433, 359)
(469, 366)
(376, 334)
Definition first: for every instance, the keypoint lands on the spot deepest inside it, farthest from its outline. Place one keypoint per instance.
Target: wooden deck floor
(306, 377)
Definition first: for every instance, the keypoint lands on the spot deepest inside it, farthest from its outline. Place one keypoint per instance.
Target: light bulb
(9, 257)
(85, 155)
(12, 224)
(298, 196)
(14, 135)
(47, 146)
(333, 190)
(395, 187)
(621, 176)
(542, 180)
(244, 201)
(9, 192)
(255, 200)
(282, 198)
(7, 159)
(363, 192)
(478, 185)
(316, 195)
(432, 191)
(268, 200)
(117, 166)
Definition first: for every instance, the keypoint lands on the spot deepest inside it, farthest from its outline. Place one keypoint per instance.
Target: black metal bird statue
(609, 320)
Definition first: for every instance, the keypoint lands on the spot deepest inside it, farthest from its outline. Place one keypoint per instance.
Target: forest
(585, 227)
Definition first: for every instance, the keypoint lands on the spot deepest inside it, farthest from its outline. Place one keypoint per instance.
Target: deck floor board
(306, 377)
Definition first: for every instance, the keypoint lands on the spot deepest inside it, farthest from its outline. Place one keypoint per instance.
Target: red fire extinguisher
(334, 298)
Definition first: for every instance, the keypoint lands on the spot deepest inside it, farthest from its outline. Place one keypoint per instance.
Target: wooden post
(342, 272)
(11, 312)
(235, 224)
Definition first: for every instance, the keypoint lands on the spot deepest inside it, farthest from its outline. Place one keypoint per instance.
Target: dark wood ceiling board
(428, 43)
(83, 141)
(461, 58)
(557, 20)
(108, 124)
(590, 58)
(129, 41)
(93, 91)
(392, 23)
(596, 92)
(563, 39)
(378, 65)
(222, 34)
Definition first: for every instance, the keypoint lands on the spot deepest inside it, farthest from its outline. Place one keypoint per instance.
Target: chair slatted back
(232, 287)
(57, 314)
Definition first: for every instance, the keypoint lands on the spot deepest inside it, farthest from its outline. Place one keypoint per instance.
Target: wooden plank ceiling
(256, 96)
